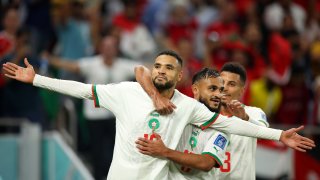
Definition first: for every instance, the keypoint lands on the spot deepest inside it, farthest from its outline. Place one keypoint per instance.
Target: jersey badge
(220, 141)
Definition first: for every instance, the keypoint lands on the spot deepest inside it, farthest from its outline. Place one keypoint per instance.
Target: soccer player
(199, 151)
(241, 152)
(136, 116)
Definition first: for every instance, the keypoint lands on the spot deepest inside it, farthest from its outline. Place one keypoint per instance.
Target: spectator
(135, 42)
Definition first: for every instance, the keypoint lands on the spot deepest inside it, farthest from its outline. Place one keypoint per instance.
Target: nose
(161, 70)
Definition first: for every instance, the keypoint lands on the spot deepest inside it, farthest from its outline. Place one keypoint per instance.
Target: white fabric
(72, 88)
(274, 15)
(134, 109)
(96, 72)
(243, 150)
(208, 141)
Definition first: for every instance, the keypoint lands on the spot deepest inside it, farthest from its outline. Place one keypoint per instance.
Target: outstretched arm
(163, 105)
(28, 75)
(289, 137)
(156, 148)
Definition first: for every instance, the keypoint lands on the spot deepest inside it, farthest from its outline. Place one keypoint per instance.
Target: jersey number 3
(226, 167)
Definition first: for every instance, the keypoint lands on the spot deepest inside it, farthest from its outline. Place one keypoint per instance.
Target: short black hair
(204, 74)
(235, 68)
(173, 54)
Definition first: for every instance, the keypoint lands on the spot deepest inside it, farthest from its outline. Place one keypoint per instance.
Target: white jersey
(136, 117)
(240, 160)
(194, 140)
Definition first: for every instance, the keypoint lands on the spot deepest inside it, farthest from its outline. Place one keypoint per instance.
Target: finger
(8, 70)
(10, 76)
(143, 140)
(145, 152)
(173, 106)
(8, 66)
(157, 136)
(299, 149)
(308, 143)
(141, 143)
(307, 140)
(142, 148)
(12, 65)
(298, 129)
(304, 146)
(26, 62)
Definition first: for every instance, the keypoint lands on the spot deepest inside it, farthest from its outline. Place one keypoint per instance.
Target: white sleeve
(110, 96)
(202, 116)
(71, 88)
(258, 117)
(217, 146)
(234, 125)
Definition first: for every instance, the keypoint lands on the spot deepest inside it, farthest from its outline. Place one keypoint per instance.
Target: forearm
(243, 128)
(196, 161)
(143, 77)
(65, 65)
(258, 122)
(71, 88)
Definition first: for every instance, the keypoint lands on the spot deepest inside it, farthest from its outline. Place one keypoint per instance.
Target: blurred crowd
(277, 41)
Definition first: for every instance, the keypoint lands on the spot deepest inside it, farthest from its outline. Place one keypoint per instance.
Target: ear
(195, 91)
(180, 76)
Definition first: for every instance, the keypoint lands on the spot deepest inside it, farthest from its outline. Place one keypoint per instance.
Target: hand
(292, 139)
(153, 147)
(163, 105)
(19, 73)
(237, 109)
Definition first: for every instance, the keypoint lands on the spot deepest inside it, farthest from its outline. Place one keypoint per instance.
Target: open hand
(153, 147)
(19, 73)
(292, 139)
(237, 109)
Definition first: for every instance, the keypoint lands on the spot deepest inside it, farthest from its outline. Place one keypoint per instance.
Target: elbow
(207, 166)
(138, 68)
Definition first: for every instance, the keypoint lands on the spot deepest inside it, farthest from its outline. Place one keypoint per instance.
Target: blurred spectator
(219, 33)
(17, 103)
(295, 97)
(155, 15)
(266, 95)
(11, 24)
(104, 68)
(191, 65)
(135, 42)
(73, 30)
(204, 12)
(277, 11)
(180, 24)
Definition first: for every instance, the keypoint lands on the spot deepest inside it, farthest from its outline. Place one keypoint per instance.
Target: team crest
(193, 142)
(154, 123)
(220, 141)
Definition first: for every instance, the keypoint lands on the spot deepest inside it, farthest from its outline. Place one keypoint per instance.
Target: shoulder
(250, 109)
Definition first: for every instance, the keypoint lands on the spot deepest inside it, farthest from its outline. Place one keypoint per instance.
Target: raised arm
(143, 76)
(156, 148)
(28, 75)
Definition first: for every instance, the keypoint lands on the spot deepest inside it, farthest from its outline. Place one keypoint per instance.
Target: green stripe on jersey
(95, 95)
(209, 122)
(214, 156)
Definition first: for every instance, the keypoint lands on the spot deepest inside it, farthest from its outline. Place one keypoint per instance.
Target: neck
(108, 61)
(168, 93)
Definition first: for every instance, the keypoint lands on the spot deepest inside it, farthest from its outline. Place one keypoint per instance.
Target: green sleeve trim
(95, 96)
(210, 121)
(214, 156)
